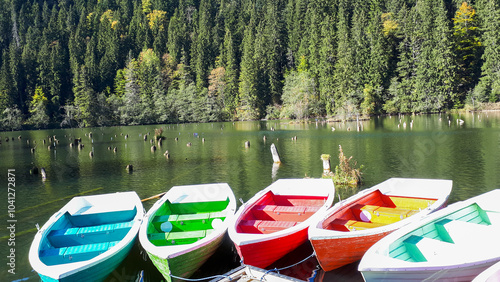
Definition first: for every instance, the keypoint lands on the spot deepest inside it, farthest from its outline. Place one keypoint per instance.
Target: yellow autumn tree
(157, 19)
(467, 47)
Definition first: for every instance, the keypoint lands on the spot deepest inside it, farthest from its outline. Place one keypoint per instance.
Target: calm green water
(468, 154)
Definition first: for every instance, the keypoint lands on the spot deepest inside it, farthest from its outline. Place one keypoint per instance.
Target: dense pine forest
(74, 63)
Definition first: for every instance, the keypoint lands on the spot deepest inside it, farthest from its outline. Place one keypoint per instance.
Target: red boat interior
(273, 213)
(374, 210)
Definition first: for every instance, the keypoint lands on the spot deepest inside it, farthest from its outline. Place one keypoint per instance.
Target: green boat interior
(374, 210)
(443, 234)
(272, 213)
(84, 235)
(185, 223)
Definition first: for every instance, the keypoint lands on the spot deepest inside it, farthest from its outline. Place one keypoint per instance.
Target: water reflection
(435, 146)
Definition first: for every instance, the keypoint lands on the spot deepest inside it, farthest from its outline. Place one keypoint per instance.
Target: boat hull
(462, 273)
(98, 272)
(335, 253)
(263, 253)
(186, 264)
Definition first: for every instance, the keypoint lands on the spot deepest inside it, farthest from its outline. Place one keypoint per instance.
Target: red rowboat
(349, 228)
(274, 222)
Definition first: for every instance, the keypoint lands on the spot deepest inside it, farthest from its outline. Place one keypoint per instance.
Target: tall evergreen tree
(85, 99)
(248, 92)
(203, 49)
(488, 87)
(402, 87)
(231, 75)
(344, 67)
(326, 64)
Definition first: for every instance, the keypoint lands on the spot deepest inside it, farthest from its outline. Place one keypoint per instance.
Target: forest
(79, 63)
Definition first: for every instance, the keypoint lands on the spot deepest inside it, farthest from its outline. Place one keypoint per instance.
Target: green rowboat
(185, 227)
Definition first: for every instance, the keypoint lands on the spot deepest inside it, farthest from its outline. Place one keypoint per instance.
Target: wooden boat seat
(99, 216)
(187, 217)
(283, 213)
(425, 249)
(352, 225)
(88, 235)
(187, 222)
(264, 226)
(294, 200)
(461, 232)
(63, 255)
(178, 238)
(385, 215)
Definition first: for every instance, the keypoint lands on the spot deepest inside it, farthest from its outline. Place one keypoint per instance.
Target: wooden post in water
(44, 174)
(274, 152)
(326, 164)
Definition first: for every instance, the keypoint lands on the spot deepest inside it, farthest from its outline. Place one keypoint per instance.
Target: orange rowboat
(351, 227)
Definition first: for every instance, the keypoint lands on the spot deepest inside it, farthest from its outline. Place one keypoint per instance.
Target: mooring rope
(228, 277)
(201, 279)
(286, 267)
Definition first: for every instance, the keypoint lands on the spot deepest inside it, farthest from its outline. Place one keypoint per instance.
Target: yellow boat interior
(374, 210)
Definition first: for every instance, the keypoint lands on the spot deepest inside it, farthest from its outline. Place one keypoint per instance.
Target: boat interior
(443, 235)
(185, 223)
(85, 234)
(272, 213)
(374, 210)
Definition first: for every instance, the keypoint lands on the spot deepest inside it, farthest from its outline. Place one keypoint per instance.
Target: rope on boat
(286, 267)
(201, 279)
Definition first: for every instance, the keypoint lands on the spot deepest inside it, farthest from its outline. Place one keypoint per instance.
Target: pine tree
(6, 97)
(248, 92)
(203, 50)
(402, 87)
(176, 36)
(444, 59)
(231, 75)
(326, 64)
(344, 67)
(85, 99)
(378, 62)
(275, 40)
(488, 87)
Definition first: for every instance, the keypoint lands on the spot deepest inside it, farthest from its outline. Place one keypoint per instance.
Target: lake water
(432, 146)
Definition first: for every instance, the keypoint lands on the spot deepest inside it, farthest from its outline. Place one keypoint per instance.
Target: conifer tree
(344, 68)
(326, 64)
(231, 75)
(203, 50)
(248, 107)
(85, 99)
(401, 90)
(488, 87)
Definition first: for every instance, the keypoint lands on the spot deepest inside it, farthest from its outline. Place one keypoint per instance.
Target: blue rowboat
(87, 238)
